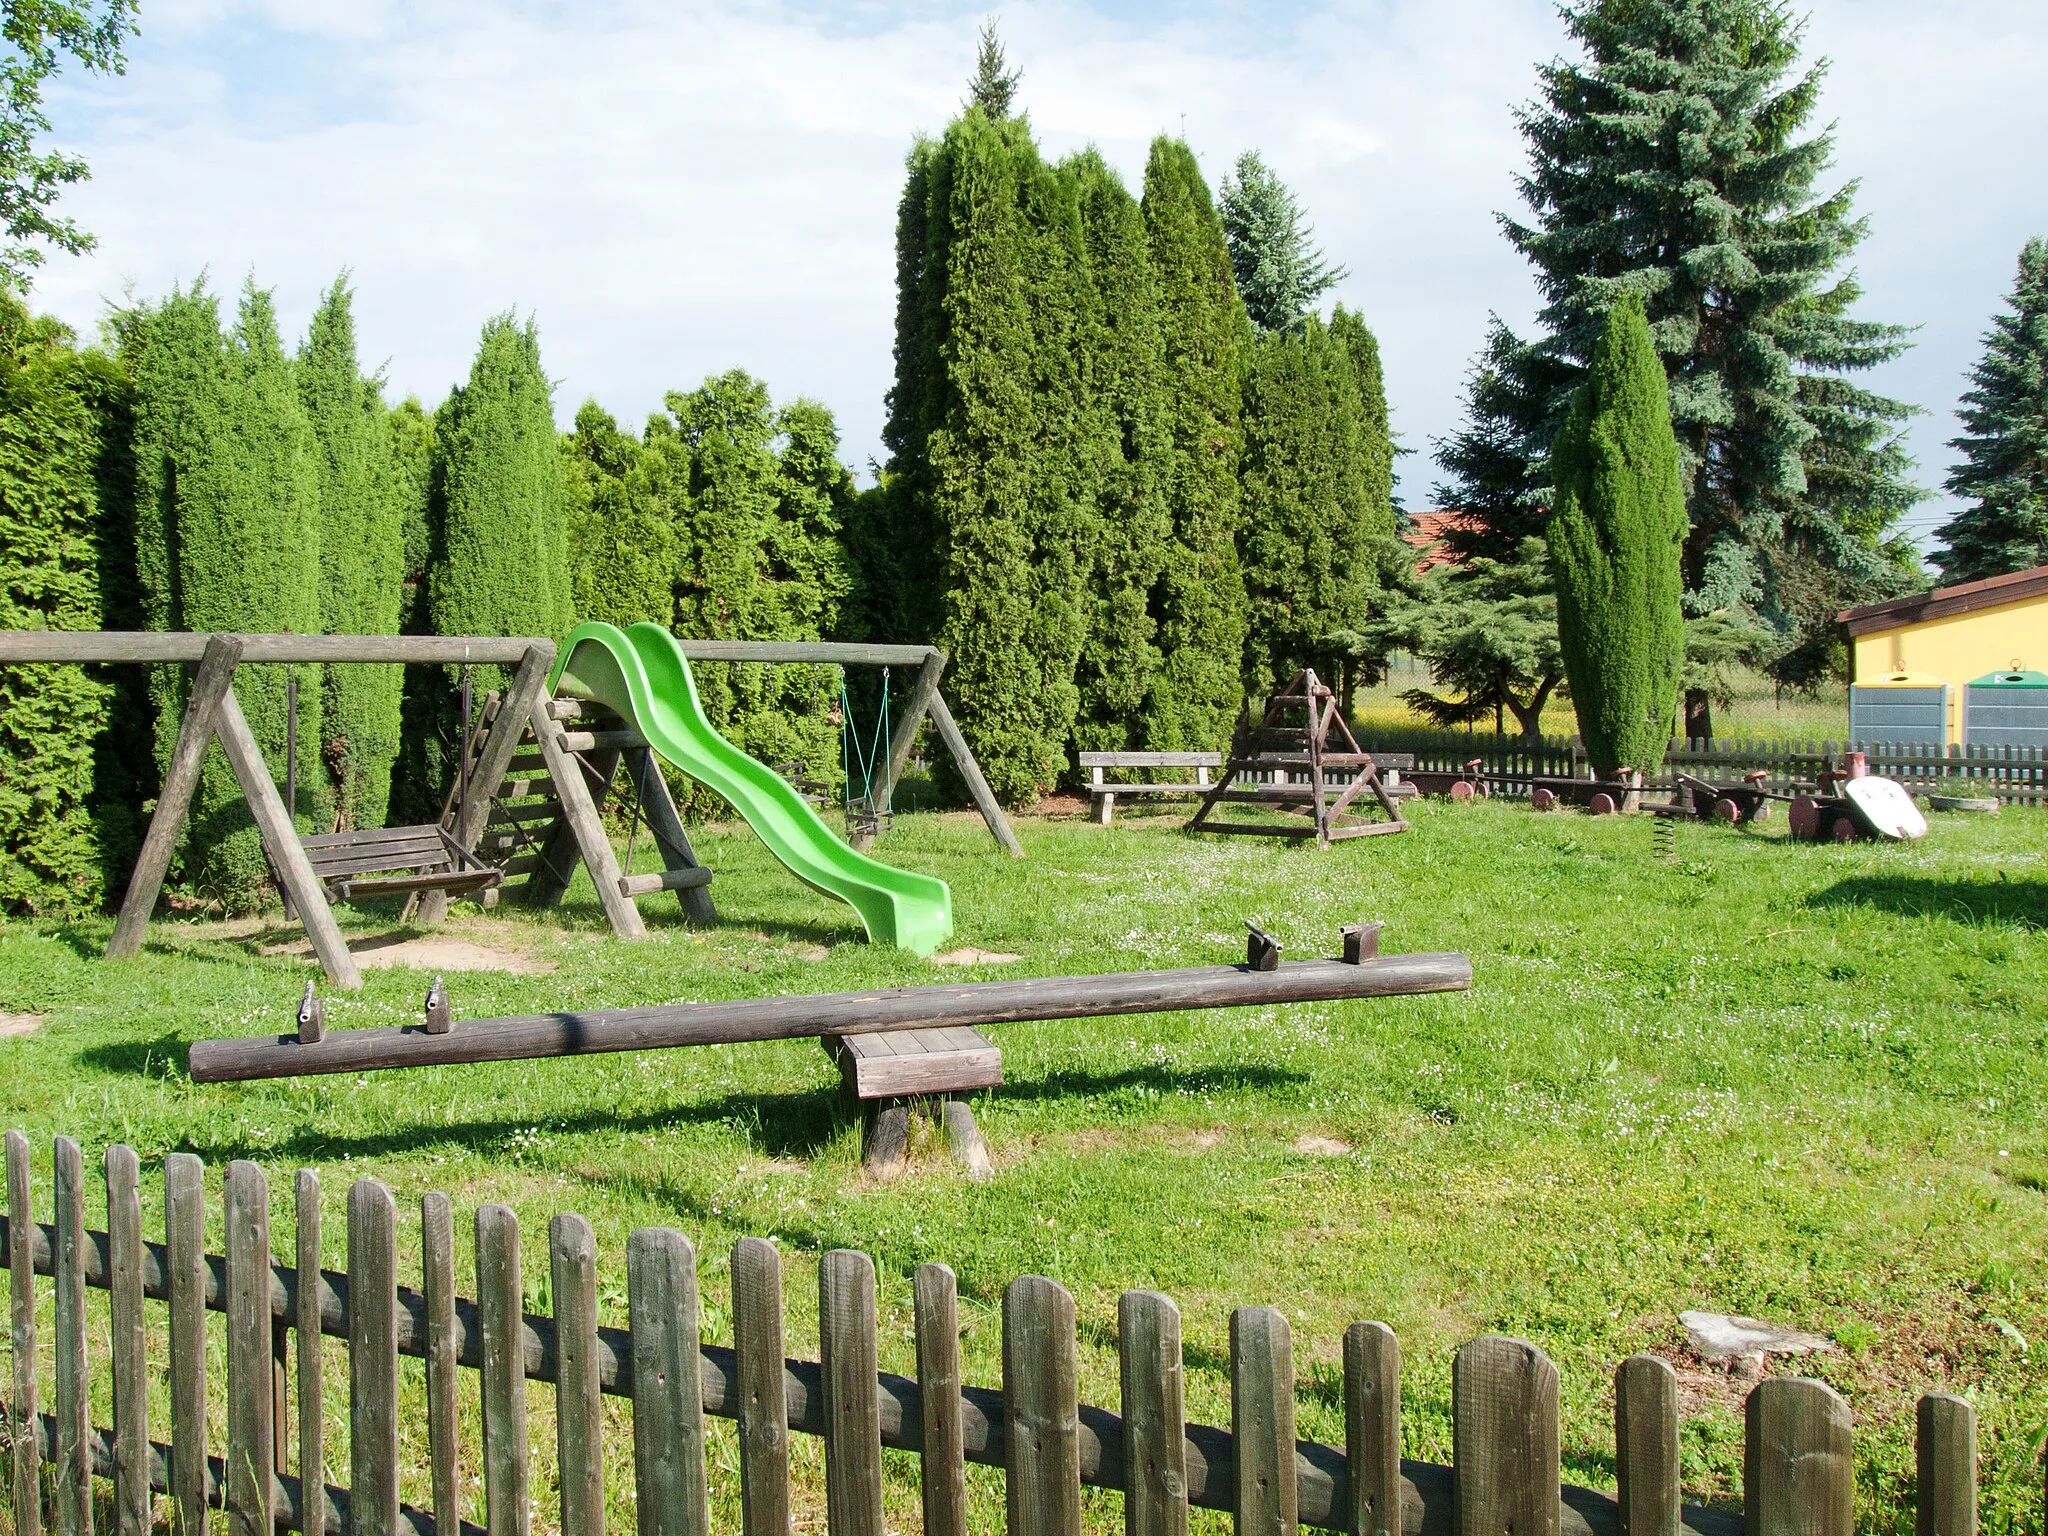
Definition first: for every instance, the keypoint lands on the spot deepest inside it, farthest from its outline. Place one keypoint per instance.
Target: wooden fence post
(130, 1341)
(671, 1493)
(764, 1404)
(74, 1395)
(252, 1454)
(503, 1326)
(1041, 1412)
(444, 1363)
(1372, 1428)
(1646, 1447)
(21, 1285)
(579, 1411)
(372, 1359)
(1946, 1504)
(311, 1375)
(1798, 1477)
(846, 1373)
(185, 1244)
(1504, 1439)
(1154, 1413)
(1262, 1422)
(943, 1469)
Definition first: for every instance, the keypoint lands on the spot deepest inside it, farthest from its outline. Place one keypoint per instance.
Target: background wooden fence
(1504, 1481)
(2006, 773)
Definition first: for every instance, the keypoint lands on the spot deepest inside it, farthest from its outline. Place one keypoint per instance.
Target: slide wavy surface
(642, 674)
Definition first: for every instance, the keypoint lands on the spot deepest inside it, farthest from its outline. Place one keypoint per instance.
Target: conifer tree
(412, 489)
(1124, 377)
(501, 561)
(60, 525)
(228, 539)
(1615, 543)
(2004, 447)
(1671, 165)
(992, 474)
(622, 534)
(1307, 537)
(1280, 273)
(362, 554)
(1376, 435)
(994, 86)
(1199, 602)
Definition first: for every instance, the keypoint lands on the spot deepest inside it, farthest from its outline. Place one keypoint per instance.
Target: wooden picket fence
(1504, 1480)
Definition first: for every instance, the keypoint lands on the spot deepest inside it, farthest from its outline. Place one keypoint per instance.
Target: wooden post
(130, 1343)
(970, 770)
(73, 1459)
(579, 1411)
(1372, 1428)
(1041, 1414)
(1262, 1423)
(943, 1467)
(22, 1421)
(529, 687)
(758, 1373)
(1798, 1474)
(1149, 1373)
(1646, 1447)
(560, 849)
(251, 1455)
(281, 841)
(1504, 1439)
(846, 1373)
(195, 735)
(501, 1323)
(666, 823)
(372, 1360)
(579, 812)
(1946, 1504)
(671, 1493)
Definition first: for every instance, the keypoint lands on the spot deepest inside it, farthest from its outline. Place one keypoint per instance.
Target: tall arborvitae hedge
(622, 536)
(362, 558)
(995, 467)
(412, 491)
(1199, 601)
(1307, 538)
(1362, 350)
(61, 525)
(227, 538)
(1124, 374)
(1616, 539)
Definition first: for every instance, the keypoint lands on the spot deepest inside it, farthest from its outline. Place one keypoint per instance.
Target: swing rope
(852, 756)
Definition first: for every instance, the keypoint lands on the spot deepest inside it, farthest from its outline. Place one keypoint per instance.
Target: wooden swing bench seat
(396, 861)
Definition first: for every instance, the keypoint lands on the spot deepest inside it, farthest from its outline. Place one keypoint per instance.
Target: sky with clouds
(677, 187)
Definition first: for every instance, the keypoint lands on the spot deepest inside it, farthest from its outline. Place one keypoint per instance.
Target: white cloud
(676, 189)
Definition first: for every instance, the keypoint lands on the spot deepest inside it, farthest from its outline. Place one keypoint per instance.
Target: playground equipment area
(528, 789)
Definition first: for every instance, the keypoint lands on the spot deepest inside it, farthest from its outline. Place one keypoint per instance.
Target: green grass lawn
(1800, 1083)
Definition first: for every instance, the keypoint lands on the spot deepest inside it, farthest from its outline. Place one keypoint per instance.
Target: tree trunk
(1699, 715)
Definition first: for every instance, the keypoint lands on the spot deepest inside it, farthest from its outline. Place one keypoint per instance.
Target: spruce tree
(228, 539)
(993, 474)
(994, 86)
(60, 525)
(501, 561)
(622, 534)
(1615, 543)
(1307, 537)
(1125, 381)
(1280, 273)
(1198, 602)
(362, 557)
(1671, 165)
(2004, 468)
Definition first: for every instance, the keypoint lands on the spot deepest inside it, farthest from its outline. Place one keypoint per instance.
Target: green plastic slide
(642, 674)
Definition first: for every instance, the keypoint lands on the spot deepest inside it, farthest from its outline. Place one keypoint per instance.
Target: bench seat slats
(405, 885)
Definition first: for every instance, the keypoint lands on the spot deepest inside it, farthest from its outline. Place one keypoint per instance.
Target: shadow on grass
(1999, 902)
(162, 1057)
(1164, 1081)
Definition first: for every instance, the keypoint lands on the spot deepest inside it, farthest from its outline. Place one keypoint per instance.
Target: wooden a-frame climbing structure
(1288, 766)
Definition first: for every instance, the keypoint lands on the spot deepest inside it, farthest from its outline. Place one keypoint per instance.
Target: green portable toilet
(1904, 708)
(2006, 709)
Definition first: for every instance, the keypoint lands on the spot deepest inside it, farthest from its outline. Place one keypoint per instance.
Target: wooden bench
(881, 1077)
(1104, 794)
(395, 861)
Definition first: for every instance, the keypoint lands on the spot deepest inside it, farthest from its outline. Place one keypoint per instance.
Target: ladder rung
(667, 880)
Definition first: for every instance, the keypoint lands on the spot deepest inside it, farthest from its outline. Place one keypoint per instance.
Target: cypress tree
(622, 537)
(1280, 274)
(60, 524)
(1671, 165)
(1125, 383)
(1306, 543)
(1375, 430)
(500, 565)
(1615, 542)
(228, 538)
(412, 489)
(1198, 603)
(362, 558)
(2004, 447)
(993, 471)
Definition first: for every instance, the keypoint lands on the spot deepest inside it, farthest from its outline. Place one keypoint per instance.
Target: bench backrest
(334, 854)
(1151, 759)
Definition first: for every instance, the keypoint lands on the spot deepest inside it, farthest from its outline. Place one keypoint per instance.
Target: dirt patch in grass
(430, 952)
(19, 1024)
(1322, 1146)
(969, 955)
(1054, 807)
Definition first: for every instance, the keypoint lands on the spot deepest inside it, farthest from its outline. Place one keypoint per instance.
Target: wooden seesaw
(897, 1047)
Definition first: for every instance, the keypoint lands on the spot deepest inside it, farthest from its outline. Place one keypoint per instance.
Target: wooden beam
(663, 820)
(579, 815)
(560, 852)
(821, 652)
(160, 646)
(843, 1013)
(217, 665)
(508, 725)
(281, 842)
(970, 770)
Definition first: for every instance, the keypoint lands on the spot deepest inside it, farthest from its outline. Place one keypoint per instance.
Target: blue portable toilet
(2006, 709)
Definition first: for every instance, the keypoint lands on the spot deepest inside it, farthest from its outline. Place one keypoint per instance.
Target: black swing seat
(430, 859)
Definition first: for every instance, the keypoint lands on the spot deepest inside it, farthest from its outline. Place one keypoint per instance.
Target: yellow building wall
(1959, 649)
